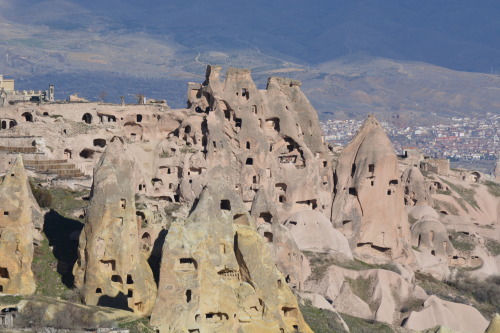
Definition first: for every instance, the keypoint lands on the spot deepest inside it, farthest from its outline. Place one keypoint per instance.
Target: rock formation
(416, 188)
(368, 204)
(217, 275)
(16, 232)
(111, 269)
(433, 248)
(494, 326)
(372, 294)
(312, 231)
(436, 312)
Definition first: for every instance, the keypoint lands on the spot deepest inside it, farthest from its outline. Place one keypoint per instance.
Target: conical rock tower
(16, 232)
(368, 205)
(111, 269)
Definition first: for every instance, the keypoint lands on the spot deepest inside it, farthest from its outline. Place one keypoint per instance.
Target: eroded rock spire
(217, 274)
(111, 269)
(16, 232)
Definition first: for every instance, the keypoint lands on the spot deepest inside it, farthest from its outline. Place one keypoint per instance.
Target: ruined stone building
(9, 94)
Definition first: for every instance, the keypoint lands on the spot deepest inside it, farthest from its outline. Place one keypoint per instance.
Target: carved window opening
(393, 182)
(352, 191)
(248, 145)
(186, 264)
(265, 217)
(188, 296)
(99, 143)
(27, 117)
(269, 236)
(238, 122)
(129, 279)
(87, 118)
(116, 278)
(371, 168)
(123, 203)
(353, 169)
(249, 161)
(4, 273)
(98, 291)
(87, 153)
(225, 205)
(109, 264)
(130, 293)
(139, 118)
(6, 213)
(289, 312)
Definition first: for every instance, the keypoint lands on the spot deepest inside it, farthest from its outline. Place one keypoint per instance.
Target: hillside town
(468, 139)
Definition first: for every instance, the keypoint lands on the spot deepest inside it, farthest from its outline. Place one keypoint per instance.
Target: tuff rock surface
(111, 269)
(368, 202)
(217, 275)
(18, 208)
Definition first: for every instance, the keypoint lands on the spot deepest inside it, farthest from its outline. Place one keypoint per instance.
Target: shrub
(443, 205)
(42, 195)
(164, 154)
(493, 246)
(321, 320)
(462, 242)
(493, 188)
(466, 193)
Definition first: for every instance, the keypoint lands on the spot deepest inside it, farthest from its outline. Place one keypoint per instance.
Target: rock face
(374, 294)
(456, 316)
(368, 205)
(217, 275)
(434, 249)
(265, 144)
(416, 188)
(111, 269)
(17, 231)
(494, 326)
(312, 231)
(263, 138)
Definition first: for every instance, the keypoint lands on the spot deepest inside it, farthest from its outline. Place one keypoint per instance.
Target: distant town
(463, 139)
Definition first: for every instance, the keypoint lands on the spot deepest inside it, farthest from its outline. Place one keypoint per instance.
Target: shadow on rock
(155, 257)
(63, 234)
(118, 302)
